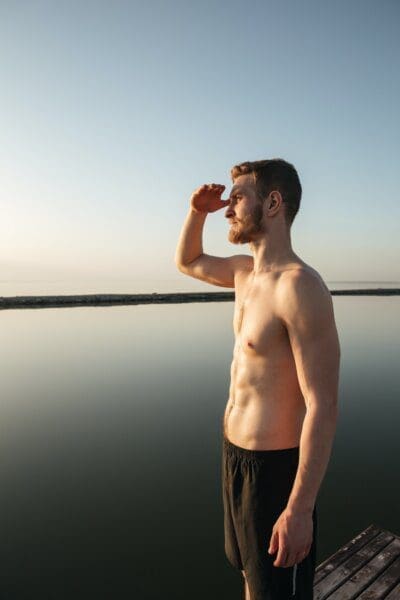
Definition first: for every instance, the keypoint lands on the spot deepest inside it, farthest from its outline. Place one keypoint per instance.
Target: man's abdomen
(267, 427)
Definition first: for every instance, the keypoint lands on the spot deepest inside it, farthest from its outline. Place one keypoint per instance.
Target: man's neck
(271, 255)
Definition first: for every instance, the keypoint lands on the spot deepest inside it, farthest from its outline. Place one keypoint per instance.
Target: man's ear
(274, 199)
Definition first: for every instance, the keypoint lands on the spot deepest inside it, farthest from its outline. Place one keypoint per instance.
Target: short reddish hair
(274, 174)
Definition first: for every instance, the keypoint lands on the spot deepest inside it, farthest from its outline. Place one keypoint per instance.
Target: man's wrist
(198, 212)
(297, 509)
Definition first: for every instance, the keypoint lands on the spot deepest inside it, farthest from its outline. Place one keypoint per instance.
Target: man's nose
(229, 212)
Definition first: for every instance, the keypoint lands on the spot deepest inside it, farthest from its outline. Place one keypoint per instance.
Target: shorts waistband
(234, 450)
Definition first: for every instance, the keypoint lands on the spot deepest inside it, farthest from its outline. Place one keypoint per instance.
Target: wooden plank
(349, 567)
(367, 574)
(332, 562)
(384, 583)
(394, 594)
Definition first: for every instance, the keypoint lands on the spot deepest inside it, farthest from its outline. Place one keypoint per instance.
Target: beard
(246, 230)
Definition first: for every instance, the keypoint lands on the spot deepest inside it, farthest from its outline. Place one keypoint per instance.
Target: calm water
(110, 442)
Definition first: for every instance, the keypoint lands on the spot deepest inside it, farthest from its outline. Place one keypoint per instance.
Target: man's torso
(265, 409)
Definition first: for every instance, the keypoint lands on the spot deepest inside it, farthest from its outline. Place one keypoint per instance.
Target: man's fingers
(272, 545)
(210, 187)
(291, 560)
(281, 558)
(287, 559)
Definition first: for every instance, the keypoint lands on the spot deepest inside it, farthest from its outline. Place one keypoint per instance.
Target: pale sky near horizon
(113, 113)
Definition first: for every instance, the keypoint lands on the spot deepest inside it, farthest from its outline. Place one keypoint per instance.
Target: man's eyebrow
(236, 188)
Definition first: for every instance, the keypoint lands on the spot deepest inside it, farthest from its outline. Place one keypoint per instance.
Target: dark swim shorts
(256, 487)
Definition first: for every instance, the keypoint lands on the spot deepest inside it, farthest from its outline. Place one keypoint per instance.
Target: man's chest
(257, 326)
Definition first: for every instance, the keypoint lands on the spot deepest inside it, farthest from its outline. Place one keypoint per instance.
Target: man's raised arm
(189, 256)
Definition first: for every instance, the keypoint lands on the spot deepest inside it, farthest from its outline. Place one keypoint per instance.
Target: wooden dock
(366, 568)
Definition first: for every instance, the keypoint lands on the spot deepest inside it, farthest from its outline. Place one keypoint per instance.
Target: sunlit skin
(284, 372)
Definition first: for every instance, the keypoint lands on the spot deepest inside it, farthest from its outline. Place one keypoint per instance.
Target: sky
(113, 113)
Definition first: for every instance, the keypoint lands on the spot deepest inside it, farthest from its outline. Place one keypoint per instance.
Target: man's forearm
(190, 244)
(316, 441)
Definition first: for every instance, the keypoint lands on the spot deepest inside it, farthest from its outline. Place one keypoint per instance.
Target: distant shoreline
(7, 302)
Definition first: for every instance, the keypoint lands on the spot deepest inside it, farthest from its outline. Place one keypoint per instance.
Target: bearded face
(244, 231)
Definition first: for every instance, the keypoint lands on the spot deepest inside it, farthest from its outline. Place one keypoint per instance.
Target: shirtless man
(280, 419)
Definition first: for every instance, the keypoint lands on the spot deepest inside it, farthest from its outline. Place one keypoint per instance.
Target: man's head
(262, 190)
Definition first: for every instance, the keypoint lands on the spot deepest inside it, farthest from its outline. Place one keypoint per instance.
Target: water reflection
(110, 446)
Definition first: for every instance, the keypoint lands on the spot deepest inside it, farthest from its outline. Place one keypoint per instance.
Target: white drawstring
(294, 580)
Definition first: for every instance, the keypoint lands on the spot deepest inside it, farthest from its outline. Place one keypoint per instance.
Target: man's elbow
(327, 405)
(185, 267)
(182, 267)
(178, 261)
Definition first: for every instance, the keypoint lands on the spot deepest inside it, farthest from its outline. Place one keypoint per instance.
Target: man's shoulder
(306, 309)
(301, 291)
(303, 278)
